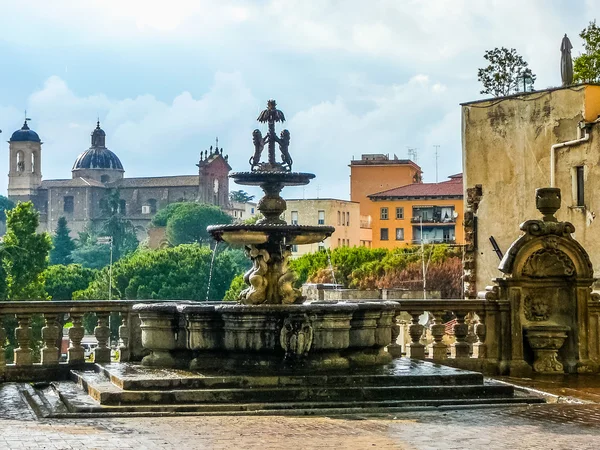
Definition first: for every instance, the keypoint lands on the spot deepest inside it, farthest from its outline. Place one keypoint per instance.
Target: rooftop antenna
(217, 142)
(412, 154)
(437, 147)
(318, 190)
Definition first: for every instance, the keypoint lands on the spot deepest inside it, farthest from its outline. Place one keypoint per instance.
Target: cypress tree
(63, 245)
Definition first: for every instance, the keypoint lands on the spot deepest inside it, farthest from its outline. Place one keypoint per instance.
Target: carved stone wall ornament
(296, 335)
(536, 308)
(548, 263)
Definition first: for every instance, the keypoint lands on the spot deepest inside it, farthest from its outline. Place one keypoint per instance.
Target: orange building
(375, 173)
(427, 212)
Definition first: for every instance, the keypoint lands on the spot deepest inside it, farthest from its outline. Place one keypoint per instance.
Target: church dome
(25, 135)
(98, 156)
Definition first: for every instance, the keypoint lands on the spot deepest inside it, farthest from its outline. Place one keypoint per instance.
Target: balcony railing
(430, 220)
(435, 241)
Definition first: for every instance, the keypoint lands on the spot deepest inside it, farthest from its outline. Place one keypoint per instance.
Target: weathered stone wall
(506, 149)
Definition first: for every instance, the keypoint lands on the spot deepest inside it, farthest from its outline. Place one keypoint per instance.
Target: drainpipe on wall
(580, 139)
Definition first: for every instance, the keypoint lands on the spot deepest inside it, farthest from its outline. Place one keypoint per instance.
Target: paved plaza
(550, 426)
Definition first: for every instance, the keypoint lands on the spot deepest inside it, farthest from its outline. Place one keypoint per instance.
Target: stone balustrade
(39, 358)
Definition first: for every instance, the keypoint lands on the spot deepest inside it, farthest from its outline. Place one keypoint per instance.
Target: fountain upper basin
(254, 234)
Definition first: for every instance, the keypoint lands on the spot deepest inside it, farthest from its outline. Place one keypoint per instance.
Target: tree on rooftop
(63, 245)
(500, 76)
(586, 67)
(240, 196)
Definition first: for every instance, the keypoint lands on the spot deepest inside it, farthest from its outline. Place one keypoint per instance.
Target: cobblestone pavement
(556, 426)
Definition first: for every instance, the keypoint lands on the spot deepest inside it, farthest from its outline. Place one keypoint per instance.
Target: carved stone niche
(547, 283)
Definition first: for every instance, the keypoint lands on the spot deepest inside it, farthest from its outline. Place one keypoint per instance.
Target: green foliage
(63, 245)
(62, 280)
(235, 288)
(5, 205)
(586, 67)
(24, 255)
(253, 219)
(161, 218)
(177, 273)
(499, 77)
(240, 196)
(188, 223)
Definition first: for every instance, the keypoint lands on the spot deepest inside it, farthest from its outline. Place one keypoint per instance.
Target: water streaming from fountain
(335, 286)
(212, 264)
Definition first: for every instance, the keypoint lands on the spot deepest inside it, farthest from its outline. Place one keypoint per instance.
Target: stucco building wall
(506, 149)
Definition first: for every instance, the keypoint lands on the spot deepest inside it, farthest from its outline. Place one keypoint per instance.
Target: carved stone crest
(536, 308)
(548, 263)
(296, 335)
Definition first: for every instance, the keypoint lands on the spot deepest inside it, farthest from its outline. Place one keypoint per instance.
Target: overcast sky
(352, 76)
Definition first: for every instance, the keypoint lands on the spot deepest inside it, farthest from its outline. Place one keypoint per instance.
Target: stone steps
(129, 389)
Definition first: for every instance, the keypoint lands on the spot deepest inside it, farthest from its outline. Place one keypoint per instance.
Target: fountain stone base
(545, 341)
(232, 337)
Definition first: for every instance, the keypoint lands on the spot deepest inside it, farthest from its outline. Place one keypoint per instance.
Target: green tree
(235, 288)
(5, 205)
(189, 221)
(161, 218)
(62, 280)
(499, 77)
(24, 254)
(123, 233)
(586, 67)
(175, 273)
(63, 245)
(240, 196)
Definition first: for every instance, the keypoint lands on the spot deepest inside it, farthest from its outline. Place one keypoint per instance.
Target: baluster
(393, 348)
(479, 347)
(438, 350)
(124, 352)
(460, 348)
(102, 333)
(23, 353)
(76, 332)
(415, 349)
(50, 335)
(2, 343)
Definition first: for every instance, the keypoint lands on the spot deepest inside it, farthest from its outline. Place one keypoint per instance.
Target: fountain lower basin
(228, 336)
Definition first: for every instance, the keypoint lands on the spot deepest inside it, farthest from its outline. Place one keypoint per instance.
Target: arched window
(20, 161)
(33, 162)
(104, 178)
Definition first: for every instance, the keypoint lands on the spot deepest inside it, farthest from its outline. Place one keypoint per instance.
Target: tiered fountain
(271, 326)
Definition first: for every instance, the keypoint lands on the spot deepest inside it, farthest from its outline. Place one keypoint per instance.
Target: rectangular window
(399, 213)
(580, 191)
(339, 242)
(294, 249)
(399, 234)
(339, 219)
(321, 218)
(383, 213)
(383, 234)
(294, 217)
(122, 207)
(348, 219)
(69, 204)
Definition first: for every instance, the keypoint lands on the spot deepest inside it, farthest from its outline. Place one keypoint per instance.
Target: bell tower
(25, 163)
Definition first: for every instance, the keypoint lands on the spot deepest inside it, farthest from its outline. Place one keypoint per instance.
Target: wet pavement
(551, 426)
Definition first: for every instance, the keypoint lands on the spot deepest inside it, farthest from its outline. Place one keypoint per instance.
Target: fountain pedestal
(545, 341)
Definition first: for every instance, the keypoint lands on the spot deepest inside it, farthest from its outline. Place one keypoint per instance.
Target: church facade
(96, 173)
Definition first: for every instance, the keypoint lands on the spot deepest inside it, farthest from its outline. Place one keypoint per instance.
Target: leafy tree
(253, 219)
(175, 273)
(235, 288)
(5, 205)
(189, 221)
(63, 245)
(161, 218)
(25, 254)
(240, 196)
(62, 280)
(499, 77)
(586, 67)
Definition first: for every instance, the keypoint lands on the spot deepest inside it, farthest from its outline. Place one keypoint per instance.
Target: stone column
(23, 353)
(124, 352)
(102, 333)
(50, 334)
(479, 347)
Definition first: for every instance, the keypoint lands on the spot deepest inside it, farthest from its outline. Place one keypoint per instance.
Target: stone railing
(47, 362)
(476, 345)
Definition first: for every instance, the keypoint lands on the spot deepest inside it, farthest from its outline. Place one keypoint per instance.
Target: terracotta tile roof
(172, 181)
(74, 182)
(450, 188)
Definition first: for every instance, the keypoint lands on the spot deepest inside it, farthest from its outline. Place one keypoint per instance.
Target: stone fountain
(271, 326)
